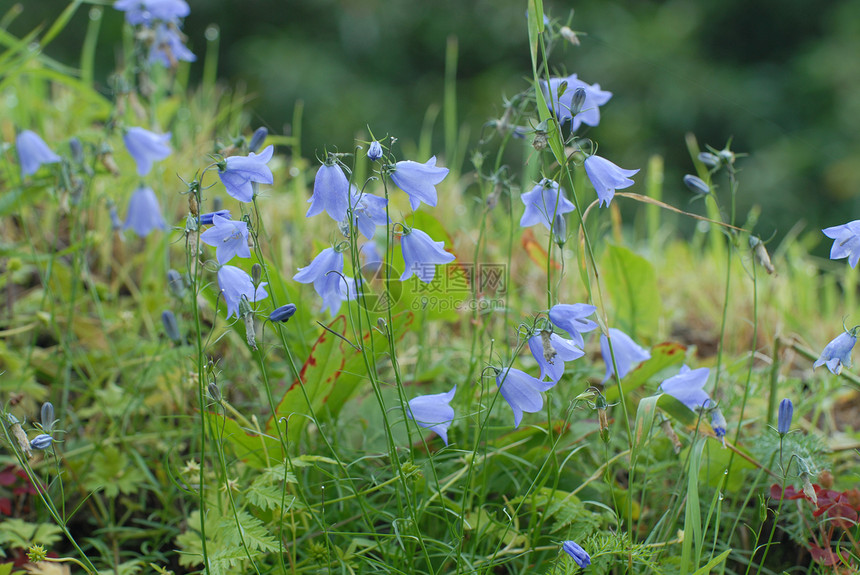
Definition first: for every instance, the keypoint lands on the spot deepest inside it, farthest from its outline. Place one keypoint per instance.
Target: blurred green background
(780, 77)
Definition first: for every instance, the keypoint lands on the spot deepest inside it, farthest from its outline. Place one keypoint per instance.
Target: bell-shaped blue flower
(543, 203)
(326, 274)
(369, 212)
(33, 152)
(846, 242)
(147, 11)
(577, 553)
(228, 237)
(433, 412)
(168, 48)
(146, 147)
(572, 319)
(234, 284)
(521, 391)
(374, 152)
(688, 387)
(786, 412)
(562, 106)
(606, 177)
(144, 213)
(551, 351)
(421, 254)
(418, 180)
(628, 353)
(331, 193)
(237, 173)
(837, 353)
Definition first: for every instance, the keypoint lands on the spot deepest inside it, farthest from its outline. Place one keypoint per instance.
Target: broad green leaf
(631, 282)
(256, 449)
(644, 422)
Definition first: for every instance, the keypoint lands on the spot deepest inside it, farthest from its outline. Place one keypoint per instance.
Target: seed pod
(20, 436)
(761, 254)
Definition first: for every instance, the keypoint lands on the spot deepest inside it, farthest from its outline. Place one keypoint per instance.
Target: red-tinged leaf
(536, 251)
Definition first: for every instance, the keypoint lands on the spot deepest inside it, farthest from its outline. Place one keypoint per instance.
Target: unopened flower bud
(214, 392)
(709, 159)
(209, 218)
(77, 150)
(20, 436)
(569, 35)
(47, 416)
(761, 254)
(171, 326)
(257, 139)
(375, 151)
(602, 420)
(696, 185)
(578, 101)
(283, 313)
(247, 314)
(786, 411)
(562, 88)
(559, 230)
(256, 273)
(41, 441)
(175, 284)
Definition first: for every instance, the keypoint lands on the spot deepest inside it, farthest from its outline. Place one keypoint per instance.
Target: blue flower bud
(208, 219)
(559, 230)
(375, 151)
(257, 139)
(786, 411)
(77, 150)
(171, 327)
(582, 558)
(47, 416)
(214, 391)
(709, 159)
(577, 101)
(283, 313)
(42, 441)
(696, 185)
(175, 284)
(256, 273)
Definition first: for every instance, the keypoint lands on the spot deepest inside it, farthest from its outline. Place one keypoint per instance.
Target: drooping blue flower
(628, 353)
(237, 173)
(433, 412)
(147, 11)
(786, 411)
(571, 318)
(521, 391)
(719, 424)
(374, 152)
(688, 387)
(563, 107)
(33, 152)
(846, 242)
(146, 147)
(228, 237)
(144, 213)
(207, 219)
(421, 254)
(283, 313)
(369, 212)
(551, 351)
(606, 177)
(418, 180)
(331, 193)
(326, 274)
(41, 441)
(577, 553)
(543, 203)
(837, 353)
(234, 284)
(168, 47)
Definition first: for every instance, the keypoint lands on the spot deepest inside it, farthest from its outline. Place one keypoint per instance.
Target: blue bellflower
(168, 48)
(837, 353)
(147, 11)
(571, 318)
(846, 242)
(369, 212)
(521, 391)
(144, 213)
(628, 353)
(543, 203)
(606, 177)
(325, 273)
(562, 107)
(237, 173)
(551, 351)
(331, 193)
(146, 147)
(433, 412)
(228, 237)
(418, 180)
(33, 152)
(234, 284)
(688, 387)
(421, 254)
(577, 553)
(786, 412)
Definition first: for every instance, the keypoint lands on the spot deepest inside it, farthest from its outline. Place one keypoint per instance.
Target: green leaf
(111, 472)
(254, 448)
(707, 568)
(645, 413)
(631, 282)
(20, 534)
(254, 533)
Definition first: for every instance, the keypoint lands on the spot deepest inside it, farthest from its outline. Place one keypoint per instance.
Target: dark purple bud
(696, 185)
(577, 102)
(207, 219)
(257, 139)
(786, 411)
(171, 327)
(283, 313)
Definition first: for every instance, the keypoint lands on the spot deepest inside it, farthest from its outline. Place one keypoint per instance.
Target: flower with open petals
(144, 213)
(551, 351)
(146, 147)
(571, 318)
(369, 212)
(33, 152)
(837, 353)
(433, 412)
(326, 273)
(628, 353)
(563, 107)
(168, 48)
(521, 391)
(577, 553)
(846, 242)
(238, 172)
(418, 180)
(228, 237)
(331, 193)
(606, 177)
(688, 387)
(543, 203)
(421, 254)
(234, 284)
(147, 11)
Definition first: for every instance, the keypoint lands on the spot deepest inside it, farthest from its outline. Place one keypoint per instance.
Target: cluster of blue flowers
(159, 24)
